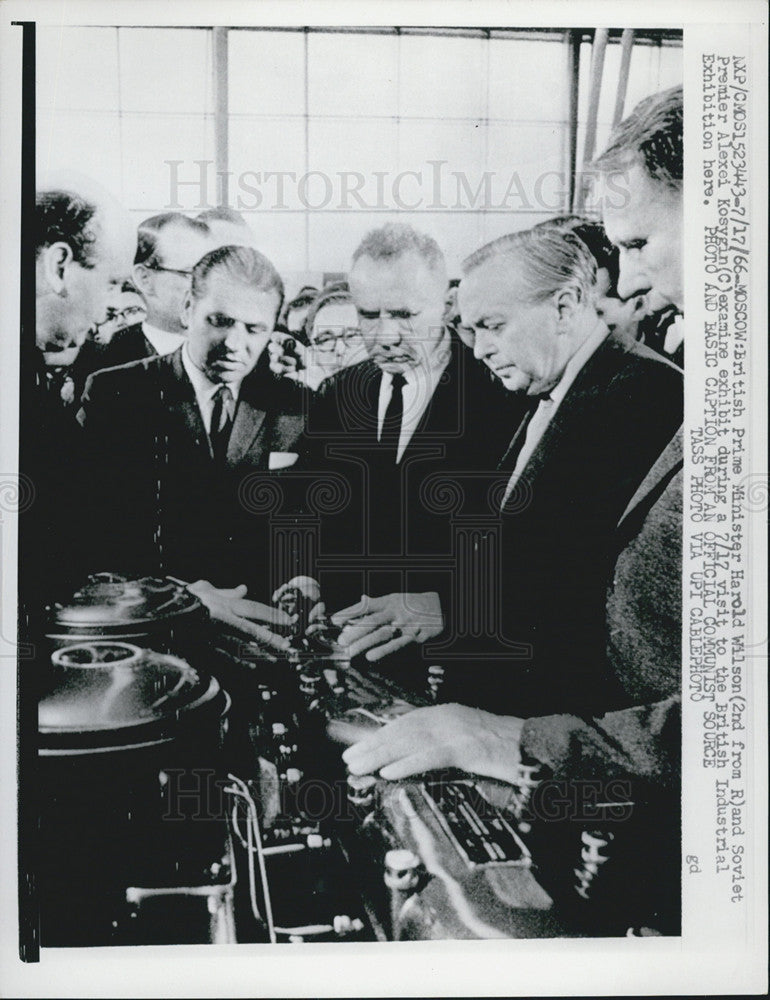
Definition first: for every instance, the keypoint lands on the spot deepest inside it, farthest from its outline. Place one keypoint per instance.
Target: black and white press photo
(374, 585)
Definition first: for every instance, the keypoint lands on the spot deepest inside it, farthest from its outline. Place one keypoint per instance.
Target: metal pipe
(221, 112)
(598, 50)
(626, 48)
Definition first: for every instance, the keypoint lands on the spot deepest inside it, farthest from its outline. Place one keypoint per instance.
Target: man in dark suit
(602, 410)
(640, 741)
(83, 247)
(599, 412)
(167, 248)
(173, 440)
(399, 428)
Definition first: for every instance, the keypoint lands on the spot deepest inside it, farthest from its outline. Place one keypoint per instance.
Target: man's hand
(381, 625)
(231, 607)
(439, 737)
(306, 585)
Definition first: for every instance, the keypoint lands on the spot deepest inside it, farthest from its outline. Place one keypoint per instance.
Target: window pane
(352, 74)
(165, 69)
(266, 146)
(359, 147)
(442, 77)
(266, 72)
(528, 80)
(459, 146)
(88, 143)
(151, 145)
(77, 68)
(280, 237)
(647, 76)
(528, 166)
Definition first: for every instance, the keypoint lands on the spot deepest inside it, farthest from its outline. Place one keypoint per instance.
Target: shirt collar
(164, 341)
(597, 336)
(674, 334)
(201, 383)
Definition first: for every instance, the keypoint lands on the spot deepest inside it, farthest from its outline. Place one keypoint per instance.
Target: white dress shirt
(674, 335)
(548, 406)
(205, 389)
(163, 341)
(421, 382)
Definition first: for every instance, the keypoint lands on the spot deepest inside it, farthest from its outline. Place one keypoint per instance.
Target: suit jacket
(160, 502)
(128, 345)
(639, 744)
(51, 445)
(125, 347)
(644, 638)
(395, 526)
(92, 357)
(558, 527)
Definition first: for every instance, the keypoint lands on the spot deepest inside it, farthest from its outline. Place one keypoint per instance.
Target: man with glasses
(168, 247)
(332, 332)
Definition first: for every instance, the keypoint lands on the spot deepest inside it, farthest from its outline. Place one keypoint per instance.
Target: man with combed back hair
(640, 741)
(167, 248)
(599, 410)
(172, 438)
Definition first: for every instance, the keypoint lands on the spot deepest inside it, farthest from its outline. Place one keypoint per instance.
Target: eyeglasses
(327, 340)
(402, 316)
(170, 270)
(130, 312)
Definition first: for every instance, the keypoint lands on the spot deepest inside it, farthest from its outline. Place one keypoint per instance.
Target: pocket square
(282, 459)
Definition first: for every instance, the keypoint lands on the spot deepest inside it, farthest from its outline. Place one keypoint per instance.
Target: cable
(255, 831)
(249, 848)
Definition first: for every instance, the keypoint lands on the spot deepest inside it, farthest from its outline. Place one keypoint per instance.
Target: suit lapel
(179, 396)
(581, 396)
(508, 462)
(248, 420)
(361, 400)
(440, 415)
(656, 480)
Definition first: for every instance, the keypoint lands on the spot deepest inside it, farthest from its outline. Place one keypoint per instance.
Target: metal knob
(401, 869)
(361, 789)
(435, 680)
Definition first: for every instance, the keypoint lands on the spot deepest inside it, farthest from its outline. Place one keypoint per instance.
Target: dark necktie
(394, 414)
(221, 421)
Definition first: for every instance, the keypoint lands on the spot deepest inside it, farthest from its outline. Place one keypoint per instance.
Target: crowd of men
(488, 468)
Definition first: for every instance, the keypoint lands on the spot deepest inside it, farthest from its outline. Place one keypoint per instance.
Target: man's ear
(142, 279)
(568, 300)
(185, 314)
(56, 259)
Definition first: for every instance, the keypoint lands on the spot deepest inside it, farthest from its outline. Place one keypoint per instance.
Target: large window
(326, 133)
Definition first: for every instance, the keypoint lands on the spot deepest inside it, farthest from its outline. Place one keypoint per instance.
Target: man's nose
(234, 337)
(482, 347)
(388, 330)
(632, 279)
